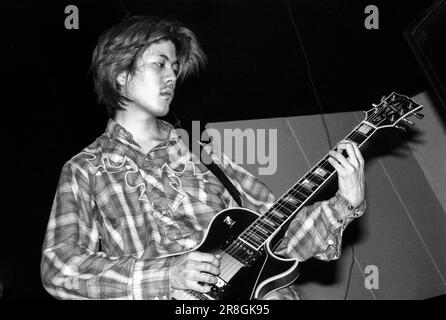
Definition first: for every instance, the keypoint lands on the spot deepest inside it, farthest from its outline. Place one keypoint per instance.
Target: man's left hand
(350, 170)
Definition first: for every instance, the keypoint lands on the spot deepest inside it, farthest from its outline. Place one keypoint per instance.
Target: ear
(122, 78)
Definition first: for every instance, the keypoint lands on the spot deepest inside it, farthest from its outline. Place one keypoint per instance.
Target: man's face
(152, 86)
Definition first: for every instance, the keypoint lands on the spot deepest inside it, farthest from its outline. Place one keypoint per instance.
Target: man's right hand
(189, 269)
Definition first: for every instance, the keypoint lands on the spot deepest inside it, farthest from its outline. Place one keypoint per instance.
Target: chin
(162, 114)
(162, 111)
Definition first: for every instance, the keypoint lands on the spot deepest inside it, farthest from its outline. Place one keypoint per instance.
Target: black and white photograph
(239, 151)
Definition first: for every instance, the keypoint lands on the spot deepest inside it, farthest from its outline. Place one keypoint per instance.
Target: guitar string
(228, 269)
(236, 248)
(282, 202)
(260, 222)
(233, 250)
(294, 190)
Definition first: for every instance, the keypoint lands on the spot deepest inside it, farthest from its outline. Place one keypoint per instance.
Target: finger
(358, 154)
(204, 257)
(348, 147)
(194, 285)
(335, 164)
(345, 165)
(203, 277)
(207, 267)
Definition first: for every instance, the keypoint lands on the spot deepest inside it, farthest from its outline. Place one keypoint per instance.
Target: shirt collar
(115, 131)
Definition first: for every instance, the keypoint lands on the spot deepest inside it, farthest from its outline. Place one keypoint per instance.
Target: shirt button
(330, 242)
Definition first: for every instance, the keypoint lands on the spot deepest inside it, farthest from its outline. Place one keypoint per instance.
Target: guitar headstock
(392, 111)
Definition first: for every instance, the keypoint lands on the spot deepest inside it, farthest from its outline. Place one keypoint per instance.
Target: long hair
(119, 49)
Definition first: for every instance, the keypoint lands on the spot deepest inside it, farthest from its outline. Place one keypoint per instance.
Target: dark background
(257, 69)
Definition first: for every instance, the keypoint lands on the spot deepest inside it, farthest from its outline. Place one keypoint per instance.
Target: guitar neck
(263, 228)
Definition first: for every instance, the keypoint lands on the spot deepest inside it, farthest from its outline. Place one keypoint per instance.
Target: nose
(170, 77)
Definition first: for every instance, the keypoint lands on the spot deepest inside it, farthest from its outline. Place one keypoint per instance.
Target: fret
(320, 172)
(270, 223)
(305, 191)
(300, 196)
(308, 184)
(288, 198)
(361, 133)
(327, 166)
(364, 129)
(267, 227)
(285, 205)
(315, 178)
(259, 227)
(260, 231)
(277, 220)
(278, 214)
(358, 138)
(254, 236)
(259, 234)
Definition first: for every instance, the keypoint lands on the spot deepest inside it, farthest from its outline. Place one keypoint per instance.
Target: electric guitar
(246, 240)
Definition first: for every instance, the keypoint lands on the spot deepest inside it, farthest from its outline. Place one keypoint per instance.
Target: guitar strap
(216, 170)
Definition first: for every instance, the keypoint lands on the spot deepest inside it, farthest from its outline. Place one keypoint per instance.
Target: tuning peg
(401, 128)
(408, 122)
(418, 115)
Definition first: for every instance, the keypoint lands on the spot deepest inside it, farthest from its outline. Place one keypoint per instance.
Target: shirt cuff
(151, 280)
(349, 210)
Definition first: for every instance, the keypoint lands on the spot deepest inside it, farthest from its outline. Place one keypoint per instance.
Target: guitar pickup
(217, 289)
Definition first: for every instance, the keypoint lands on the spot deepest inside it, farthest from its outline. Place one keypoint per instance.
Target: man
(130, 200)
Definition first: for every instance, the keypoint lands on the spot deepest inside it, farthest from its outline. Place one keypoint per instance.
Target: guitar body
(266, 273)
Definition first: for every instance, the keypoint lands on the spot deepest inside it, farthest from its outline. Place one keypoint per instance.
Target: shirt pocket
(174, 228)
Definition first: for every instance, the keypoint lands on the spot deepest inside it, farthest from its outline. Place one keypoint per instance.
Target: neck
(144, 128)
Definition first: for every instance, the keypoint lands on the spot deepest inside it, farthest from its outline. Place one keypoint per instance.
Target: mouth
(166, 94)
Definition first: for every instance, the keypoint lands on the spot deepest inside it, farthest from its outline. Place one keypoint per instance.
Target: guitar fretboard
(296, 197)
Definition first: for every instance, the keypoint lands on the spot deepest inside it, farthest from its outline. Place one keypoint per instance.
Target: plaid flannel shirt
(119, 214)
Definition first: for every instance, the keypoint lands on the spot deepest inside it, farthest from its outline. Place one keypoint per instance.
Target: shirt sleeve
(72, 267)
(317, 229)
